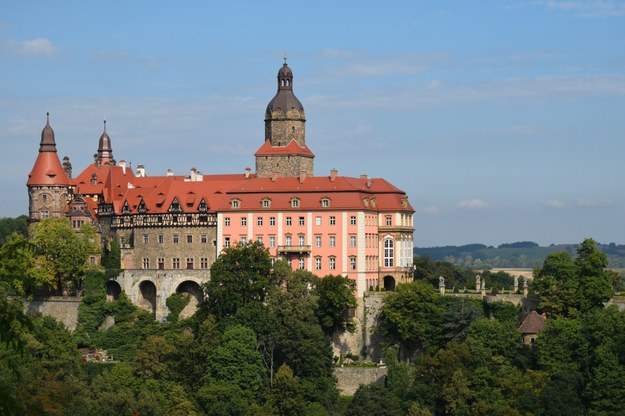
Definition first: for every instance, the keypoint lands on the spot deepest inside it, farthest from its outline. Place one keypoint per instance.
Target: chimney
(247, 173)
(363, 176)
(369, 182)
(67, 167)
(333, 173)
(141, 170)
(302, 176)
(122, 163)
(274, 176)
(170, 172)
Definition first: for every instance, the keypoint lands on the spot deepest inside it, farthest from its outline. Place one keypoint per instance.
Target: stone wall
(364, 341)
(63, 309)
(350, 378)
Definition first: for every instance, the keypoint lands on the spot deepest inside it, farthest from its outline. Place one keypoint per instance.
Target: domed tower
(284, 152)
(105, 151)
(47, 182)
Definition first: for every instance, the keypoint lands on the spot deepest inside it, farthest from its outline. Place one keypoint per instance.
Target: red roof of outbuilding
(533, 324)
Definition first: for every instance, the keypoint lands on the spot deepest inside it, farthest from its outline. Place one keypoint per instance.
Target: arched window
(389, 252)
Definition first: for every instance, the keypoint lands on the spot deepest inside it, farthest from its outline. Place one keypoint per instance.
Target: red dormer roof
(293, 148)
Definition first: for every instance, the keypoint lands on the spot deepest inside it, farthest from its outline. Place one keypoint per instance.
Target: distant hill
(522, 254)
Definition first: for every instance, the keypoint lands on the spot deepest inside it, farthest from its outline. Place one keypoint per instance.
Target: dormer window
(175, 206)
(325, 202)
(235, 203)
(266, 203)
(295, 202)
(366, 201)
(404, 202)
(203, 206)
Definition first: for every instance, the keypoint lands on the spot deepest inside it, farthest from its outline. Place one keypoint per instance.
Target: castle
(171, 228)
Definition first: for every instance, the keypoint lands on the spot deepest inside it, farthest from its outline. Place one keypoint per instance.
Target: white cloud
(554, 203)
(472, 204)
(595, 203)
(39, 46)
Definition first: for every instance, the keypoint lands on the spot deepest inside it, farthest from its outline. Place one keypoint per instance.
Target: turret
(284, 151)
(47, 181)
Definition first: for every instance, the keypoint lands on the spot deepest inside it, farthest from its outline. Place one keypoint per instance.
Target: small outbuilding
(531, 327)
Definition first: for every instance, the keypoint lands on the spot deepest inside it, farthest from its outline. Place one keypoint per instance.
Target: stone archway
(389, 283)
(195, 293)
(113, 289)
(147, 296)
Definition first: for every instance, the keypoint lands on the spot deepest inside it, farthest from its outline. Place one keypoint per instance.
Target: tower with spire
(104, 156)
(48, 184)
(284, 152)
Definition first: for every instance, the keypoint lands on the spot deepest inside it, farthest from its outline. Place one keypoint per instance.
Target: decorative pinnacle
(284, 57)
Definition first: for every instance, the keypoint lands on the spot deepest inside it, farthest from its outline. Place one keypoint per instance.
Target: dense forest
(260, 343)
(522, 254)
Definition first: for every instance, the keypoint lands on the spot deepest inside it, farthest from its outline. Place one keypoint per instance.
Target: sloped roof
(47, 170)
(533, 323)
(293, 148)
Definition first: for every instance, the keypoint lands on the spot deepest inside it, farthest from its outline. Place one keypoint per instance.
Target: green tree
(336, 298)
(286, 395)
(374, 400)
(241, 274)
(9, 226)
(63, 253)
(236, 360)
(17, 264)
(566, 285)
(410, 317)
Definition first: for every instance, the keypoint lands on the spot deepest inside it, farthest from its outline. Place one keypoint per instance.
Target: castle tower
(47, 181)
(284, 152)
(105, 151)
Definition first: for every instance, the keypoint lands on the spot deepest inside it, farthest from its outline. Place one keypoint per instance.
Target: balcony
(294, 249)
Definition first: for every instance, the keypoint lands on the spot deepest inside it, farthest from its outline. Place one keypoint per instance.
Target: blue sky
(502, 120)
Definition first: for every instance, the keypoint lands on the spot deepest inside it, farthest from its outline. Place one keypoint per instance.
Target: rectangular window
(301, 220)
(203, 263)
(272, 241)
(266, 203)
(332, 241)
(333, 220)
(175, 238)
(227, 221)
(161, 238)
(317, 220)
(332, 263)
(352, 263)
(288, 240)
(146, 238)
(260, 239)
(389, 220)
(352, 241)
(203, 238)
(352, 220)
(243, 240)
(288, 220)
(189, 238)
(300, 264)
(272, 220)
(259, 221)
(302, 240)
(146, 263)
(317, 263)
(189, 263)
(161, 263)
(226, 242)
(243, 221)
(175, 263)
(317, 241)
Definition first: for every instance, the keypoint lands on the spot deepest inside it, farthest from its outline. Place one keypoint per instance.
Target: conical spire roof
(47, 169)
(105, 150)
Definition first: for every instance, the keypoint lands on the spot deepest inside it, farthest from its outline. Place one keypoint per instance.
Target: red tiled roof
(293, 148)
(533, 324)
(47, 170)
